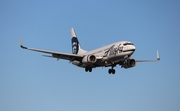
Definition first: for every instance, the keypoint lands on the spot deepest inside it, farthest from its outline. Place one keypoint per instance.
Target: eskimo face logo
(74, 45)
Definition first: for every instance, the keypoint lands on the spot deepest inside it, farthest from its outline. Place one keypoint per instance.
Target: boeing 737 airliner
(118, 53)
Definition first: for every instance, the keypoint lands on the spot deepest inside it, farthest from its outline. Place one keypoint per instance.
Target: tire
(109, 71)
(113, 71)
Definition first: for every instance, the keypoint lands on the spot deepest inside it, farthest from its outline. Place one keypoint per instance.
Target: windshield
(128, 44)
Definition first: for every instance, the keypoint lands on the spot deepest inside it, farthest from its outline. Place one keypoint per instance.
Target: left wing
(58, 55)
(158, 59)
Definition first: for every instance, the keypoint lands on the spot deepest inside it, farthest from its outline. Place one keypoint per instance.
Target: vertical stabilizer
(76, 48)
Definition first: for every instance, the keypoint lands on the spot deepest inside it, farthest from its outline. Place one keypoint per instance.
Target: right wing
(158, 59)
(58, 55)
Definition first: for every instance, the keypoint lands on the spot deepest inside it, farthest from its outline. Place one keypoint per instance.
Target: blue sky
(31, 82)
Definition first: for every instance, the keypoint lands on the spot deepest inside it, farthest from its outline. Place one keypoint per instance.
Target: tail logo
(75, 45)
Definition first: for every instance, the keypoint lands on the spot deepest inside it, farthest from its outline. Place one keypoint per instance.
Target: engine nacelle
(129, 63)
(89, 59)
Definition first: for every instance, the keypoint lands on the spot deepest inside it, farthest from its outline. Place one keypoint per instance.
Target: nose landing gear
(113, 71)
(88, 69)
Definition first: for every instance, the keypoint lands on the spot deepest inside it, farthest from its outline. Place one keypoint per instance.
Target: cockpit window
(128, 44)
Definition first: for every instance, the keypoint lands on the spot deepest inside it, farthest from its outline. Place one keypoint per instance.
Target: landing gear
(88, 69)
(113, 71)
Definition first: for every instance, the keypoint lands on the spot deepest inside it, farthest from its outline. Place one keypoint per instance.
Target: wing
(58, 55)
(158, 59)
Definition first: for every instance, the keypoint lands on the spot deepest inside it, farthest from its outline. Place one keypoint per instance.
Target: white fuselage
(109, 54)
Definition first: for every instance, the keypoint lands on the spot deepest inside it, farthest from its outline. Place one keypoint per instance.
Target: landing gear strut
(88, 69)
(113, 71)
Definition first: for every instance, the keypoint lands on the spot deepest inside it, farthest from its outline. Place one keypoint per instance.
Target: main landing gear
(88, 69)
(110, 71)
(113, 71)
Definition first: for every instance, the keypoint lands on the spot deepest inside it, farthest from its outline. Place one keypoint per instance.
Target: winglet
(21, 44)
(158, 57)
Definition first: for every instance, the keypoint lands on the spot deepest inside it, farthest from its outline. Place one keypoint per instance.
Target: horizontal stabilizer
(48, 56)
(51, 57)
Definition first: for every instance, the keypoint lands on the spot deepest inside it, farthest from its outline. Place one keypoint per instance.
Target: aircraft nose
(133, 47)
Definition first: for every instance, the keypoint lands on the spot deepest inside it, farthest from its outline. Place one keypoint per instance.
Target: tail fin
(76, 48)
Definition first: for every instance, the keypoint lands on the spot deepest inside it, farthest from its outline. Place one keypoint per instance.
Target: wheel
(109, 71)
(113, 71)
(90, 69)
(86, 69)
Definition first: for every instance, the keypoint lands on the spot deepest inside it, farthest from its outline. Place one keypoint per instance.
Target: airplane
(118, 53)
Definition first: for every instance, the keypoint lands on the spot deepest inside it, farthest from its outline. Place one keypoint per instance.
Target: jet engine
(129, 63)
(89, 59)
